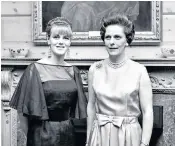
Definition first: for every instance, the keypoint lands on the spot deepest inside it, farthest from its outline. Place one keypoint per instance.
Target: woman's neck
(117, 59)
(57, 59)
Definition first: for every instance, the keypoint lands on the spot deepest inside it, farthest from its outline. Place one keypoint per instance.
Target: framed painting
(85, 17)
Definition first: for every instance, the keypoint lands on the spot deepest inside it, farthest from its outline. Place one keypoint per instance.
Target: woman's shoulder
(46, 61)
(43, 61)
(136, 65)
(30, 67)
(96, 65)
(30, 71)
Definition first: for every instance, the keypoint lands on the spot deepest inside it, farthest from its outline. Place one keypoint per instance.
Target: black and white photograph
(87, 73)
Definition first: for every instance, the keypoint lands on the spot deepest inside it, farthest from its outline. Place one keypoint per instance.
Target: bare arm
(145, 93)
(91, 103)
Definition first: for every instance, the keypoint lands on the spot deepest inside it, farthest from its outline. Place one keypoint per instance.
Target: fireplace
(162, 77)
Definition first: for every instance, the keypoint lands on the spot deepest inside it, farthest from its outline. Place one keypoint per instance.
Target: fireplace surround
(161, 72)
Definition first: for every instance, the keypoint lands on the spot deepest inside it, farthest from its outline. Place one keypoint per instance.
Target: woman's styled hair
(122, 20)
(59, 21)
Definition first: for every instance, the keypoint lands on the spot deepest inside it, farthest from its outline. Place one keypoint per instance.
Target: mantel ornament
(6, 81)
(19, 52)
(168, 51)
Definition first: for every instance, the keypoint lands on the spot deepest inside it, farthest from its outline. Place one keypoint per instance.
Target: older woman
(119, 91)
(50, 93)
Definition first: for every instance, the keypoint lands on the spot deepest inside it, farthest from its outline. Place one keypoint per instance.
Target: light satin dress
(117, 104)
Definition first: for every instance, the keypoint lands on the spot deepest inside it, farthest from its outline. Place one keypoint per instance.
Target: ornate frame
(152, 37)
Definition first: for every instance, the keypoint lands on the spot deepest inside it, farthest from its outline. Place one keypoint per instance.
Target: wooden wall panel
(169, 7)
(168, 28)
(16, 8)
(16, 28)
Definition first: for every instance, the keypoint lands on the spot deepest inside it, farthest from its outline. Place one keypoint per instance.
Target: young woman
(50, 93)
(119, 91)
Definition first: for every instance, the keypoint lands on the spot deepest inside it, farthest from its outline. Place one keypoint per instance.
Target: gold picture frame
(152, 36)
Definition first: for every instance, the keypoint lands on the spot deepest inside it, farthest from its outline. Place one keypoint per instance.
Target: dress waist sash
(107, 126)
(115, 120)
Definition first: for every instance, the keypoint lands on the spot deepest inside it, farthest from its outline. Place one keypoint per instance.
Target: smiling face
(115, 40)
(60, 39)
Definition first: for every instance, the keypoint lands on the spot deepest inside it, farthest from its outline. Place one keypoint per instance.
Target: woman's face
(115, 40)
(59, 40)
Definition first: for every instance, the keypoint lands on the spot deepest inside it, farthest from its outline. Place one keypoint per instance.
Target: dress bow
(103, 120)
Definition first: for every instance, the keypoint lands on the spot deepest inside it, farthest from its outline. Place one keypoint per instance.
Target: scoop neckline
(54, 64)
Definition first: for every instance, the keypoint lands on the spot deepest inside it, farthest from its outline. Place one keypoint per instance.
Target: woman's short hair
(59, 21)
(119, 19)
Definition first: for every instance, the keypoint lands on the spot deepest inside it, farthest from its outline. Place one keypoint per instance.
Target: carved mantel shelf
(87, 62)
(161, 84)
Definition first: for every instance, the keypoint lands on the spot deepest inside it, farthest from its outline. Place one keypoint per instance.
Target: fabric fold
(29, 98)
(115, 131)
(80, 111)
(104, 119)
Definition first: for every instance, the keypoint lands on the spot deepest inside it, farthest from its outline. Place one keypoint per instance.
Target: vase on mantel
(19, 50)
(168, 50)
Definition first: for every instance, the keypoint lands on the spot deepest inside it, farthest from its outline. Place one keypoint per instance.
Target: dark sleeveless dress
(51, 110)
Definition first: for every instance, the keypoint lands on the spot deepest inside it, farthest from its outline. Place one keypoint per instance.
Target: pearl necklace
(116, 65)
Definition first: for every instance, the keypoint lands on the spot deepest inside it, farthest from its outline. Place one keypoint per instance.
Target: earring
(49, 53)
(68, 53)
